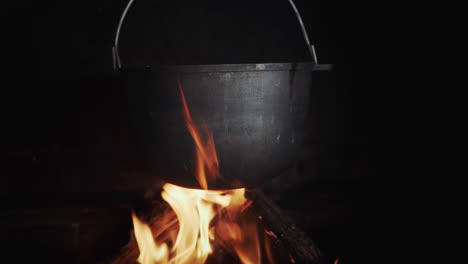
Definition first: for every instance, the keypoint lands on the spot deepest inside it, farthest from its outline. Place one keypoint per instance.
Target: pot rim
(242, 67)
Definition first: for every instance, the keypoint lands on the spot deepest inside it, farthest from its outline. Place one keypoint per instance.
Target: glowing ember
(200, 219)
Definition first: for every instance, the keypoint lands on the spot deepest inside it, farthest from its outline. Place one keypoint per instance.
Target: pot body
(256, 113)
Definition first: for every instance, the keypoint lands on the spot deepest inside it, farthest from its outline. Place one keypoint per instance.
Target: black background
(383, 178)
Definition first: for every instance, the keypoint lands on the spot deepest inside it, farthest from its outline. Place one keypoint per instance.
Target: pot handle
(115, 49)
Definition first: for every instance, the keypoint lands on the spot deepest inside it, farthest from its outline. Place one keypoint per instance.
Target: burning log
(301, 248)
(282, 241)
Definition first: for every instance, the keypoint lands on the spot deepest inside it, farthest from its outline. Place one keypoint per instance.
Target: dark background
(381, 178)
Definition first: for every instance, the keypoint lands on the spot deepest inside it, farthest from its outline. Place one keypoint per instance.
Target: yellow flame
(195, 209)
(150, 252)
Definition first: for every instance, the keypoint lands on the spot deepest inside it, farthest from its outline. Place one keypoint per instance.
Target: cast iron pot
(256, 113)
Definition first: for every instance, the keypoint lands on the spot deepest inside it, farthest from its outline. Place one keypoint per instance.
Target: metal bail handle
(115, 49)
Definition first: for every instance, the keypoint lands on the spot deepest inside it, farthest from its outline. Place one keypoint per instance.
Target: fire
(149, 251)
(192, 241)
(200, 219)
(206, 158)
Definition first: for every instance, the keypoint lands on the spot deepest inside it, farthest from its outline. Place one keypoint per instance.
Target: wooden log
(301, 248)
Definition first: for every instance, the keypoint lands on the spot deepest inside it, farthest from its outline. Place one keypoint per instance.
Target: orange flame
(204, 217)
(207, 165)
